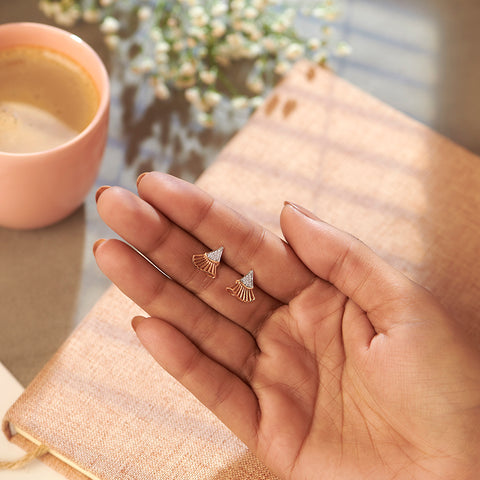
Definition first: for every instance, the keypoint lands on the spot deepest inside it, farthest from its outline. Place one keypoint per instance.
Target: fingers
(247, 245)
(347, 263)
(171, 248)
(219, 338)
(226, 395)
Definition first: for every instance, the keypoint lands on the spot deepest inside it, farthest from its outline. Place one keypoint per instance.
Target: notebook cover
(408, 192)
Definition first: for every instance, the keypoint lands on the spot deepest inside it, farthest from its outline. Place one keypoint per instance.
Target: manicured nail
(97, 244)
(302, 210)
(140, 177)
(100, 191)
(136, 321)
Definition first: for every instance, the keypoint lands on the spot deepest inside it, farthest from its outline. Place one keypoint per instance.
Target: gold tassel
(208, 262)
(243, 288)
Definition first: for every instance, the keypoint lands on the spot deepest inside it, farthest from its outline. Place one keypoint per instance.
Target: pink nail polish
(302, 210)
(97, 244)
(140, 177)
(100, 191)
(135, 322)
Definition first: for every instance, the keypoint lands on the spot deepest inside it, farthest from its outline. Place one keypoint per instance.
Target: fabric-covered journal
(107, 411)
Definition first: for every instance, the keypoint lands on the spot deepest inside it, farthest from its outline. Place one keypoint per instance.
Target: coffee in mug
(46, 99)
(54, 104)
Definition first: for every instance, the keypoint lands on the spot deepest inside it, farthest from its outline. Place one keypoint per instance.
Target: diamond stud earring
(208, 262)
(243, 288)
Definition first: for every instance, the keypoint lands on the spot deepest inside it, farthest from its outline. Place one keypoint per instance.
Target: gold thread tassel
(208, 262)
(243, 288)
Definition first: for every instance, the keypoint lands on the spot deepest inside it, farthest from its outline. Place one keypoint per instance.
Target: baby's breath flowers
(216, 51)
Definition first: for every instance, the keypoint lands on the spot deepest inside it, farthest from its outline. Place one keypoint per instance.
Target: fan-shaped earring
(243, 288)
(208, 262)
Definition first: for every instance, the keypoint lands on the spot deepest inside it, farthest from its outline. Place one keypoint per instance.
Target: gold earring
(208, 262)
(243, 288)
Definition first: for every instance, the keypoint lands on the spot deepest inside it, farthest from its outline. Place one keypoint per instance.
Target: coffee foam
(46, 99)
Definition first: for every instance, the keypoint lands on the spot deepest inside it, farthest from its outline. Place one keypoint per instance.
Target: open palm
(340, 369)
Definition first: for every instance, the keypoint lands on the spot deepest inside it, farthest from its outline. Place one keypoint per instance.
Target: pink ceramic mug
(38, 189)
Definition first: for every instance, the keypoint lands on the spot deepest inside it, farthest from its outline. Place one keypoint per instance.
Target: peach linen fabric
(411, 194)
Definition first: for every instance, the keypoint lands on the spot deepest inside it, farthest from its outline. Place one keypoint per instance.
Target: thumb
(347, 263)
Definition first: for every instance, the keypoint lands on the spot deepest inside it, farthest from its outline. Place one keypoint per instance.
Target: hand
(342, 368)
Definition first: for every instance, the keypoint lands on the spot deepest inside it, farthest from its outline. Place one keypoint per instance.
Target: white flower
(294, 51)
(237, 24)
(198, 33)
(219, 9)
(259, 4)
(193, 95)
(156, 34)
(178, 46)
(255, 84)
(270, 44)
(251, 30)
(235, 40)
(331, 14)
(281, 68)
(200, 21)
(250, 13)
(144, 65)
(197, 11)
(320, 57)
(319, 12)
(161, 58)
(161, 91)
(208, 76)
(218, 28)
(91, 15)
(279, 27)
(67, 18)
(46, 7)
(176, 33)
(144, 12)
(239, 103)
(255, 102)
(343, 49)
(222, 59)
(205, 119)
(212, 98)
(313, 44)
(110, 25)
(251, 51)
(172, 22)
(161, 47)
(112, 41)
(237, 5)
(289, 14)
(187, 69)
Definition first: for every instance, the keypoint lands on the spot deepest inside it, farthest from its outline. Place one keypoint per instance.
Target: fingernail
(140, 177)
(136, 321)
(302, 210)
(97, 244)
(100, 191)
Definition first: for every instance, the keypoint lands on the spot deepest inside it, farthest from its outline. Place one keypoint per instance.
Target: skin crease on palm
(342, 368)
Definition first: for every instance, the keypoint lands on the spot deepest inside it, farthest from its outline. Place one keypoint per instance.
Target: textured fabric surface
(105, 404)
(409, 193)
